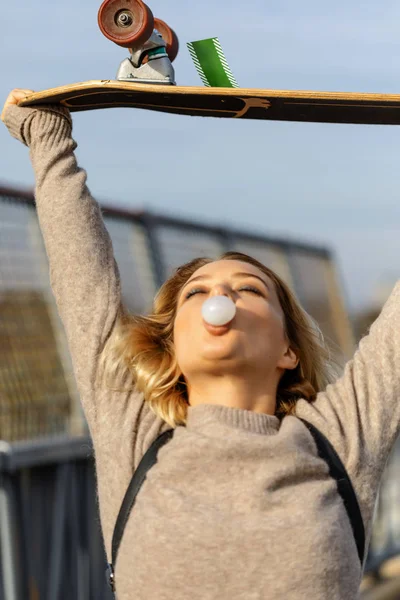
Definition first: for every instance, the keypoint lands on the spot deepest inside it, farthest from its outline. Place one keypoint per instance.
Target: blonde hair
(141, 350)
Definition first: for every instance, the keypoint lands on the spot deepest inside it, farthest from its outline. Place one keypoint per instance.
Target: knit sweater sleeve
(83, 273)
(360, 413)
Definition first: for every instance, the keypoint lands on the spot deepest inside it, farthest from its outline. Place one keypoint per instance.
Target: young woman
(239, 504)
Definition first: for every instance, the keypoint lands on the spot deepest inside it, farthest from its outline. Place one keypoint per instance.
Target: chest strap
(148, 460)
(344, 486)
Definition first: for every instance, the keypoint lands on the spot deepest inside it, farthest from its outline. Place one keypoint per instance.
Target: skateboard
(325, 107)
(147, 80)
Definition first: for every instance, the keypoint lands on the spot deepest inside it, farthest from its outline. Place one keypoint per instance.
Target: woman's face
(255, 339)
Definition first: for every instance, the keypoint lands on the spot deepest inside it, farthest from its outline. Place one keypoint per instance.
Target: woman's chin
(220, 353)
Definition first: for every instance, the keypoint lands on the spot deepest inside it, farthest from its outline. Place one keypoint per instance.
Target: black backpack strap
(338, 472)
(148, 460)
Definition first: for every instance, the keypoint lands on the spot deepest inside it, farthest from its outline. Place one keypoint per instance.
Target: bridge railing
(51, 545)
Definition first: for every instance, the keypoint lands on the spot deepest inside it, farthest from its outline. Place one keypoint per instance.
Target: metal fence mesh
(178, 246)
(134, 263)
(34, 395)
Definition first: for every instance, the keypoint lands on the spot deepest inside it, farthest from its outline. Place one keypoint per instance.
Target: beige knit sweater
(239, 506)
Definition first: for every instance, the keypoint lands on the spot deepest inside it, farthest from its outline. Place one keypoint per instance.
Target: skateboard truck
(149, 63)
(153, 45)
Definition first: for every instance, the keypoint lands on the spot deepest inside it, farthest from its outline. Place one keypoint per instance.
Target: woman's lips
(217, 329)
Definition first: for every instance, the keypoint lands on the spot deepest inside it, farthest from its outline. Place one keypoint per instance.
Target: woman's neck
(234, 391)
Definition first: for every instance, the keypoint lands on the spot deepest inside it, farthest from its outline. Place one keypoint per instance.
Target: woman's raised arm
(360, 413)
(83, 273)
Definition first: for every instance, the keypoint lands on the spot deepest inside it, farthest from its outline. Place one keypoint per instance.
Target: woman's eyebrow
(235, 276)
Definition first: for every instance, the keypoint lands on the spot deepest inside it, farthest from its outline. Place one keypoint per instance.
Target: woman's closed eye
(195, 291)
(251, 289)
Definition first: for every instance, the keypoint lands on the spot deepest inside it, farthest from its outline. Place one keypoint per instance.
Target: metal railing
(51, 545)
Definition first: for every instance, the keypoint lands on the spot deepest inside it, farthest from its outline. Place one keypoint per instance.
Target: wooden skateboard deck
(279, 105)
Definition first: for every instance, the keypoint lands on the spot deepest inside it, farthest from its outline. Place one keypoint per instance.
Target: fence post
(11, 574)
(150, 222)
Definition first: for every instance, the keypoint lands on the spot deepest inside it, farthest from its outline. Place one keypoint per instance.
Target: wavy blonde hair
(141, 353)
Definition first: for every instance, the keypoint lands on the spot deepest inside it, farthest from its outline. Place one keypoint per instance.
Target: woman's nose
(221, 290)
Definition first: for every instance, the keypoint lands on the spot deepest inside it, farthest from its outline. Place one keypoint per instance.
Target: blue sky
(332, 184)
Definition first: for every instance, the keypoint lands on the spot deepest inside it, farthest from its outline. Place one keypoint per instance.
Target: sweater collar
(240, 418)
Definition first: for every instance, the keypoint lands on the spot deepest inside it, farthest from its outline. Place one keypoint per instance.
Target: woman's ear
(289, 360)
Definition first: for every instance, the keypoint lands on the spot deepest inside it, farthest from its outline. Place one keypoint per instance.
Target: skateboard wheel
(169, 36)
(127, 23)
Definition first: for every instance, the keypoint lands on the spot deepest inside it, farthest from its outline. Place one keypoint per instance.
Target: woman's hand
(14, 97)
